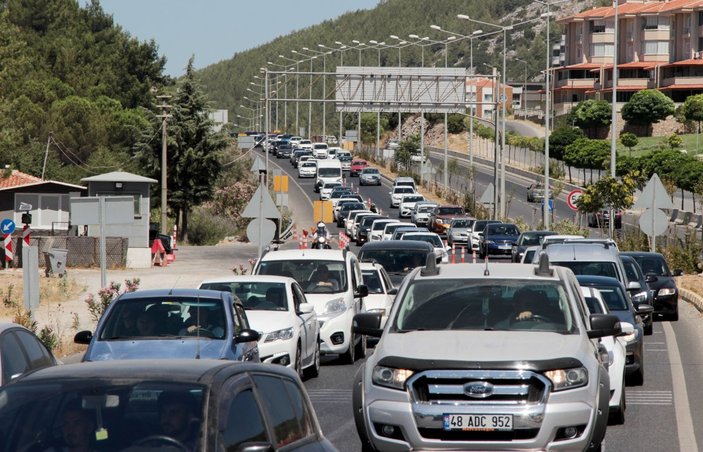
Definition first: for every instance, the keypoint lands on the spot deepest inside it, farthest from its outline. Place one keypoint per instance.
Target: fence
(82, 251)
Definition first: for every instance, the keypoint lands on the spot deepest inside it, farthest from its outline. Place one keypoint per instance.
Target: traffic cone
(474, 256)
(462, 255)
(453, 253)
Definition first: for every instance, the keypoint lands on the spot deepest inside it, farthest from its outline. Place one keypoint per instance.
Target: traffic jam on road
(556, 323)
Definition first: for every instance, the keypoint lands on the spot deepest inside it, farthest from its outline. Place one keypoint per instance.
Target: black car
(21, 352)
(526, 240)
(365, 229)
(284, 150)
(206, 405)
(498, 239)
(297, 153)
(661, 283)
(345, 209)
(634, 273)
(620, 305)
(398, 257)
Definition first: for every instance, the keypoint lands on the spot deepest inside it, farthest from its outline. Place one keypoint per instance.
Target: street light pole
(547, 108)
(614, 118)
(400, 115)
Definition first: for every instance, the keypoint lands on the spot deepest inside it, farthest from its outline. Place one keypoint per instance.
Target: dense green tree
(560, 138)
(647, 107)
(194, 151)
(592, 114)
(629, 140)
(455, 123)
(692, 110)
(585, 153)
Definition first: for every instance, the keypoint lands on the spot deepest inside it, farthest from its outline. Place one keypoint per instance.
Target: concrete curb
(693, 298)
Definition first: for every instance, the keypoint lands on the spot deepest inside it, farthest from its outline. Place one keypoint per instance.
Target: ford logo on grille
(478, 389)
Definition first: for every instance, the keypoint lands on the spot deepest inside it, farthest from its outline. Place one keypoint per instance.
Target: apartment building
(482, 90)
(660, 46)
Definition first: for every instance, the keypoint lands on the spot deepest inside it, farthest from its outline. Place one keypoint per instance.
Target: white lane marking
(662, 398)
(684, 423)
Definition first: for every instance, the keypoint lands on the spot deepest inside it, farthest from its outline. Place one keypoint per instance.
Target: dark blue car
(498, 239)
(172, 324)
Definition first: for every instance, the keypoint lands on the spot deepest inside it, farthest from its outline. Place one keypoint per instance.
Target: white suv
(333, 283)
(477, 357)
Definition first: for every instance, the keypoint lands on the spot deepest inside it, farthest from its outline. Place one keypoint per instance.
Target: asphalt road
(660, 414)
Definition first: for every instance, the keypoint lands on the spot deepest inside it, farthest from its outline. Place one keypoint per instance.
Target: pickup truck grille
(478, 387)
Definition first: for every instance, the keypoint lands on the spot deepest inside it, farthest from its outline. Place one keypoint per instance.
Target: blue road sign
(7, 226)
(551, 204)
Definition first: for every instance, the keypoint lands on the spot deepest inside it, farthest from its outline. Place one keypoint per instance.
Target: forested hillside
(226, 82)
(72, 72)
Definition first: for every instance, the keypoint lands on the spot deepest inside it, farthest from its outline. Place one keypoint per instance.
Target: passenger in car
(77, 429)
(177, 417)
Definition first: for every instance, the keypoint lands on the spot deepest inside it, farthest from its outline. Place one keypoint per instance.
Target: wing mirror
(678, 272)
(362, 291)
(83, 337)
(305, 308)
(393, 291)
(643, 309)
(247, 335)
(603, 325)
(634, 285)
(650, 278)
(626, 328)
(368, 323)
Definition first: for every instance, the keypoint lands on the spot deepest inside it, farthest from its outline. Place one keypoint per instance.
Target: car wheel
(349, 356)
(361, 348)
(298, 362)
(637, 378)
(358, 407)
(617, 417)
(649, 328)
(314, 370)
(674, 317)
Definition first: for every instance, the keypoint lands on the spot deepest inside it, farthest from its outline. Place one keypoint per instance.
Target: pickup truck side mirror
(368, 323)
(603, 325)
(247, 335)
(362, 291)
(634, 285)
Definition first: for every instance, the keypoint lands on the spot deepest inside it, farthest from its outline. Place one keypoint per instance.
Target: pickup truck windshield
(462, 304)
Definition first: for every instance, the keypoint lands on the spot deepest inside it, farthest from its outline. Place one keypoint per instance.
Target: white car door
(309, 326)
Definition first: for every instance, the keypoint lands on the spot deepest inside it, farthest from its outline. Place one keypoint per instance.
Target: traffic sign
(573, 197)
(487, 196)
(654, 196)
(7, 226)
(653, 222)
(261, 204)
(268, 230)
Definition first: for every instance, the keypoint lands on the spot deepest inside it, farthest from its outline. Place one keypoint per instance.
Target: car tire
(617, 416)
(674, 317)
(649, 328)
(361, 348)
(349, 356)
(299, 362)
(314, 370)
(637, 378)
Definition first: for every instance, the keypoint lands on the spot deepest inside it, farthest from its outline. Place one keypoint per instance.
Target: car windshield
(461, 223)
(391, 228)
(314, 276)
(450, 211)
(502, 229)
(379, 225)
(613, 297)
(432, 239)
(352, 206)
(424, 208)
(531, 239)
(653, 265)
(407, 199)
(403, 190)
(372, 280)
(343, 157)
(256, 296)
(590, 268)
(486, 304)
(396, 261)
(359, 163)
(398, 233)
(331, 185)
(481, 225)
(370, 171)
(168, 316)
(107, 413)
(328, 172)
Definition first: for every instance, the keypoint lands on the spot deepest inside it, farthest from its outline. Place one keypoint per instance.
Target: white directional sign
(654, 196)
(487, 196)
(261, 205)
(653, 222)
(257, 166)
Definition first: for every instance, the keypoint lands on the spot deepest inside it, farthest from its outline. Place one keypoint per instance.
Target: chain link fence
(82, 251)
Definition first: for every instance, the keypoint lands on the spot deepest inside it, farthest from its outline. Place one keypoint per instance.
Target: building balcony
(602, 38)
(680, 80)
(657, 34)
(575, 83)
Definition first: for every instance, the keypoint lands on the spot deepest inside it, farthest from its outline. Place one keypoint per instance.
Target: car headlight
(335, 307)
(632, 337)
(567, 378)
(640, 297)
(438, 221)
(390, 377)
(489, 242)
(280, 335)
(666, 291)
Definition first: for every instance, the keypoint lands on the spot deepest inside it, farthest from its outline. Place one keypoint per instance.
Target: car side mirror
(305, 308)
(247, 335)
(362, 291)
(626, 328)
(393, 291)
(603, 325)
(678, 272)
(83, 337)
(368, 323)
(650, 278)
(634, 285)
(480, 234)
(643, 309)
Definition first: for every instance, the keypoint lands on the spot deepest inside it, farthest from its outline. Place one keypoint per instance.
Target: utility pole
(164, 146)
(46, 155)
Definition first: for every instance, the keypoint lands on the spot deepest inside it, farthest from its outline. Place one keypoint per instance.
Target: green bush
(207, 229)
(684, 254)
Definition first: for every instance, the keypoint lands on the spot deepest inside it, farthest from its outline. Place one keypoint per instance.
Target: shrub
(204, 228)
(683, 254)
(106, 295)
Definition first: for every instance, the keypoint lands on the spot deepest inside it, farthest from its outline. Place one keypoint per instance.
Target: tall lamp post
(401, 43)
(311, 57)
(341, 49)
(285, 92)
(297, 89)
(614, 117)
(359, 46)
(379, 46)
(324, 87)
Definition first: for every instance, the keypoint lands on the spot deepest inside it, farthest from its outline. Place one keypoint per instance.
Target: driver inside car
(200, 320)
(323, 279)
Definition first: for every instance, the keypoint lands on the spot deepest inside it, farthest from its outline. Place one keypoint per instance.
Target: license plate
(505, 247)
(478, 422)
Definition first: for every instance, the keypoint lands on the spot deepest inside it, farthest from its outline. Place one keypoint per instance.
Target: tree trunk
(682, 198)
(184, 223)
(570, 180)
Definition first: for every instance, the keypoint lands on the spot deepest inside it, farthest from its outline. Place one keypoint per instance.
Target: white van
(337, 294)
(328, 170)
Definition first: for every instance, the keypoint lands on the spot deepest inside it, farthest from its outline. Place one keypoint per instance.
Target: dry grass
(691, 282)
(51, 291)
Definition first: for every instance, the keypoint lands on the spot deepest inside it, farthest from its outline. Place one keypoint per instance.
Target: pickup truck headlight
(632, 337)
(335, 307)
(666, 291)
(279, 335)
(390, 377)
(567, 378)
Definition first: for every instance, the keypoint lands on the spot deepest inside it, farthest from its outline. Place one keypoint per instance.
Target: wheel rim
(298, 362)
(317, 358)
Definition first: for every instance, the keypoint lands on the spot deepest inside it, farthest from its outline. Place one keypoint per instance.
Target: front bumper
(279, 352)
(370, 181)
(496, 249)
(334, 328)
(667, 304)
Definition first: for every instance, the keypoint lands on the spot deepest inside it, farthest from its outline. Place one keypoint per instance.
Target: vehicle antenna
(170, 292)
(197, 333)
(486, 272)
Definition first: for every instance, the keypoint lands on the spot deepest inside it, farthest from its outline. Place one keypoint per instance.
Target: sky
(214, 30)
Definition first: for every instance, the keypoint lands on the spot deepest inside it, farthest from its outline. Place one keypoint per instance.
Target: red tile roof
(634, 8)
(18, 179)
(691, 62)
(584, 66)
(699, 86)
